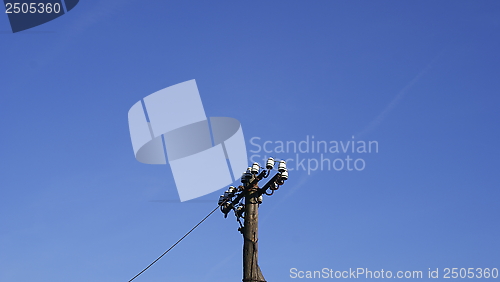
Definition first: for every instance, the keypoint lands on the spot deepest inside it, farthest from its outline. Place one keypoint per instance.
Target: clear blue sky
(422, 78)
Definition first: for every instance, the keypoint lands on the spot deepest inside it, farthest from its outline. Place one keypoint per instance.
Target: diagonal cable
(178, 241)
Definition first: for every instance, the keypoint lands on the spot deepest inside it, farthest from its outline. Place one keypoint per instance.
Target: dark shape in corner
(30, 14)
(70, 4)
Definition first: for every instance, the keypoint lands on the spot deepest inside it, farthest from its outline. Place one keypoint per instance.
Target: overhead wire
(178, 241)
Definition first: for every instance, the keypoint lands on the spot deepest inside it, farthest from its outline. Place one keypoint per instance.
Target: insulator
(273, 186)
(282, 166)
(270, 163)
(227, 205)
(255, 168)
(221, 199)
(284, 175)
(240, 210)
(245, 177)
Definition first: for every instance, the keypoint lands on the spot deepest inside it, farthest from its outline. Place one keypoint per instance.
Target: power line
(178, 241)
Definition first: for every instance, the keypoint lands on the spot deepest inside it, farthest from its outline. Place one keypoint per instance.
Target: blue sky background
(419, 77)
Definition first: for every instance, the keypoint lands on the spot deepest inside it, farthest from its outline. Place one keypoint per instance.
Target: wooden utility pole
(233, 200)
(251, 269)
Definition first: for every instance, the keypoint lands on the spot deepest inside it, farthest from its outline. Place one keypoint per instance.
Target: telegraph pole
(251, 269)
(248, 209)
